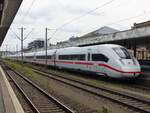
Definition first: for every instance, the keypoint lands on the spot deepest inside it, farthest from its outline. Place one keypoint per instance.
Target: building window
(72, 57)
(99, 57)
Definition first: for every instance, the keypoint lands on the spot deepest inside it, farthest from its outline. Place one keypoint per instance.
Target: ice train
(105, 60)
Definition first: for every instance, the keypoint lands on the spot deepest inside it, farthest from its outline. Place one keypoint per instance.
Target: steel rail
(61, 105)
(28, 100)
(140, 101)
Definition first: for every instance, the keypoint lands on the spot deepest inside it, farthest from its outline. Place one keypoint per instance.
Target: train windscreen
(123, 53)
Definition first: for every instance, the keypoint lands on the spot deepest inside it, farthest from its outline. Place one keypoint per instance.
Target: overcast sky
(82, 16)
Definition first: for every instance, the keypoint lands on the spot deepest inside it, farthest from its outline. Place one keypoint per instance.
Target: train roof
(65, 50)
(83, 50)
(102, 45)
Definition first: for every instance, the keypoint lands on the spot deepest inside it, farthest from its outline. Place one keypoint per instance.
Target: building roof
(101, 31)
(122, 35)
(137, 33)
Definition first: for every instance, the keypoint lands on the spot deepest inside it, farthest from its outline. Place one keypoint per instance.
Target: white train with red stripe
(106, 60)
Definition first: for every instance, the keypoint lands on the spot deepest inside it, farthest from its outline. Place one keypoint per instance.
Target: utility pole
(6, 53)
(22, 43)
(46, 40)
(46, 45)
(22, 38)
(17, 51)
(16, 48)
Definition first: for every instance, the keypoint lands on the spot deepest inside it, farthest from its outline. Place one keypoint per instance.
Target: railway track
(38, 99)
(23, 101)
(143, 84)
(138, 104)
(138, 83)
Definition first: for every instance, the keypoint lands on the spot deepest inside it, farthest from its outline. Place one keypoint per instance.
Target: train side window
(37, 57)
(72, 57)
(40, 57)
(49, 57)
(30, 57)
(99, 57)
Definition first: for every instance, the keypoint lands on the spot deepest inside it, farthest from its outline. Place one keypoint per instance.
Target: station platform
(2, 108)
(8, 100)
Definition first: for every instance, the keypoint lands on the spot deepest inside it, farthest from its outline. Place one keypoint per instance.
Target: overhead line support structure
(46, 45)
(22, 43)
(46, 40)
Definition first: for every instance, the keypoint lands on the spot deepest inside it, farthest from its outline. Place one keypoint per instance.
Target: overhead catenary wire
(77, 18)
(15, 34)
(28, 34)
(81, 16)
(74, 19)
(28, 10)
(23, 18)
(18, 37)
(89, 12)
(128, 18)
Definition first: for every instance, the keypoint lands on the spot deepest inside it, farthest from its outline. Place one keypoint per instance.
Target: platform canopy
(8, 10)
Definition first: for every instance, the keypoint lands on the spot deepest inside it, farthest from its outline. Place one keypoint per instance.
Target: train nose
(129, 62)
(131, 71)
(130, 68)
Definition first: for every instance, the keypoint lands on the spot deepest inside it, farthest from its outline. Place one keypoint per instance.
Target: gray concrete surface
(2, 108)
(11, 102)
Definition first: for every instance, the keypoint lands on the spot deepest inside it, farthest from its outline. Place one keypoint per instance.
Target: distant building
(101, 31)
(36, 44)
(142, 24)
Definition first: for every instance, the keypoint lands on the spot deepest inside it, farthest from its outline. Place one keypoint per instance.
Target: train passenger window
(43, 57)
(49, 57)
(99, 57)
(29, 57)
(38, 57)
(72, 57)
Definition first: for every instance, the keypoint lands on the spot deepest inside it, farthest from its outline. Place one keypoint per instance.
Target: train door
(95, 67)
(88, 66)
(99, 59)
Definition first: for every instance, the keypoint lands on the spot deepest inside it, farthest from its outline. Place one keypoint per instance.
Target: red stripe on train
(107, 66)
(70, 62)
(67, 62)
(103, 65)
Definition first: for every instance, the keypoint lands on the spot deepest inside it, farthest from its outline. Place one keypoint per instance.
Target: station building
(136, 39)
